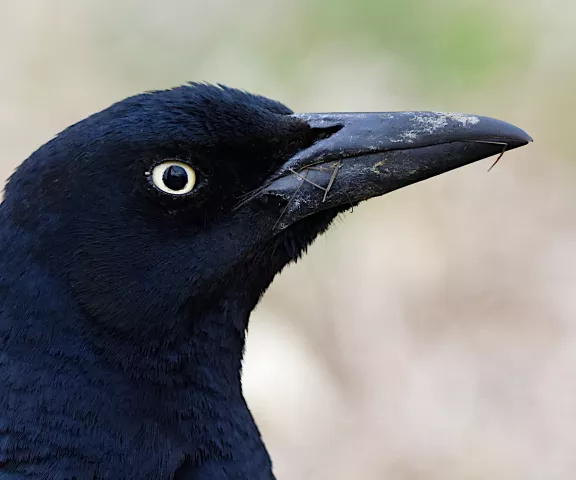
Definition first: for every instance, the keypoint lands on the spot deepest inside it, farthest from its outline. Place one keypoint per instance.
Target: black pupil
(175, 177)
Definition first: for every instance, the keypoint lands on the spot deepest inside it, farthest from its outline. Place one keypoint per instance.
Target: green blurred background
(432, 333)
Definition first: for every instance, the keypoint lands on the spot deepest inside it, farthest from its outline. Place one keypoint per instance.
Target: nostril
(317, 134)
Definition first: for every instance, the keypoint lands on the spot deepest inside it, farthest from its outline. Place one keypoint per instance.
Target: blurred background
(429, 335)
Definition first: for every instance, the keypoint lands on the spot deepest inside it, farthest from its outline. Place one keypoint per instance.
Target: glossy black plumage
(123, 309)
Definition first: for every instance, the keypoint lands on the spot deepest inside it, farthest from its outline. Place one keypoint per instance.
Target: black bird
(136, 243)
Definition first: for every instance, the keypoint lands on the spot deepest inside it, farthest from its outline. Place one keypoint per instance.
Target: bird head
(173, 203)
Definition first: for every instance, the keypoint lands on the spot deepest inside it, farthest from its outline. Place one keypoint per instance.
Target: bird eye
(175, 178)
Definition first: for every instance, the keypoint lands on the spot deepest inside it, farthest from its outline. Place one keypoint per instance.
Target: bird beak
(365, 155)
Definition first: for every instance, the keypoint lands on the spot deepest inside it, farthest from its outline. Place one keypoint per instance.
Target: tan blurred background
(432, 333)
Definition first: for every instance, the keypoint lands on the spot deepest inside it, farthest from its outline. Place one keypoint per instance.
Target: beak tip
(523, 137)
(498, 130)
(522, 140)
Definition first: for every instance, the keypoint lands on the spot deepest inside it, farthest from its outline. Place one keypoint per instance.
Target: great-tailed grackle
(136, 243)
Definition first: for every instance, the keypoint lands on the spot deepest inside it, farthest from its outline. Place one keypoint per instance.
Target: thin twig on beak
(504, 148)
(332, 179)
